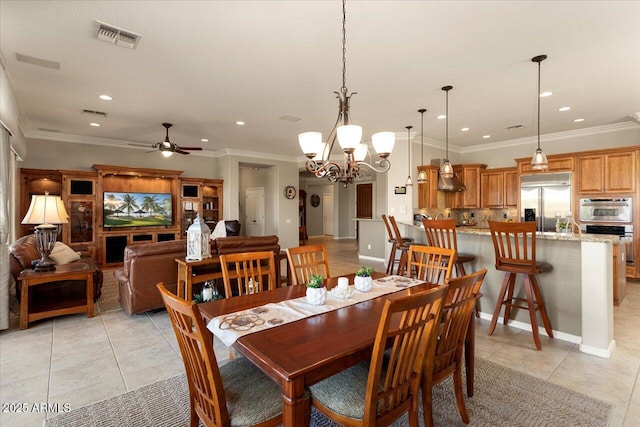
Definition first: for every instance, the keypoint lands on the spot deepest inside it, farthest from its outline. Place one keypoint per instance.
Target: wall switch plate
(504, 216)
(473, 215)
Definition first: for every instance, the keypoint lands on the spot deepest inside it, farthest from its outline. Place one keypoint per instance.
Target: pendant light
(409, 182)
(539, 160)
(446, 170)
(422, 176)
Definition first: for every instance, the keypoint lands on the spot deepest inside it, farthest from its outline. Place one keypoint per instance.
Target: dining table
(298, 354)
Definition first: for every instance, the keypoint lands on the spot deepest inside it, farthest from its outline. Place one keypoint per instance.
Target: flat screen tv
(137, 209)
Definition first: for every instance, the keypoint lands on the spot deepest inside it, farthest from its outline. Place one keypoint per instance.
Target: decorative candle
(343, 283)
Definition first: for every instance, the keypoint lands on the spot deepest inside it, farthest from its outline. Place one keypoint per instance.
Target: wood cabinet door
(620, 172)
(491, 189)
(591, 174)
(511, 188)
(471, 180)
(428, 192)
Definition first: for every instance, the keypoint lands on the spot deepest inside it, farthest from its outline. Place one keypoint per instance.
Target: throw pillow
(63, 254)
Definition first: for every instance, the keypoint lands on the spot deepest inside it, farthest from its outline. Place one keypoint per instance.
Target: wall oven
(624, 231)
(606, 210)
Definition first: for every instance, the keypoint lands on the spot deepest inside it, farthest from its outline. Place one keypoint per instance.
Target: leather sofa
(24, 251)
(149, 263)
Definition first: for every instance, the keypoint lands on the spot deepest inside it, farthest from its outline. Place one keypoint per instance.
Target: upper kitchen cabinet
(499, 188)
(428, 192)
(557, 163)
(606, 173)
(469, 175)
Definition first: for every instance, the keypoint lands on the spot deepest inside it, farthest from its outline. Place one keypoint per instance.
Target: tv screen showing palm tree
(137, 209)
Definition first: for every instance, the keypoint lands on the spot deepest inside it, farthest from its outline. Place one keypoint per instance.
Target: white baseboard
(370, 258)
(598, 351)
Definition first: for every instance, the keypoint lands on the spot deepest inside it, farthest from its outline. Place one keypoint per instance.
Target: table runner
(229, 327)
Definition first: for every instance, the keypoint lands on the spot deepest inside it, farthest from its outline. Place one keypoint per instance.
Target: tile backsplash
(479, 216)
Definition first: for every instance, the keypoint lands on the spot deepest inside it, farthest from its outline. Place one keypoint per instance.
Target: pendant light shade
(422, 176)
(409, 182)
(539, 160)
(446, 170)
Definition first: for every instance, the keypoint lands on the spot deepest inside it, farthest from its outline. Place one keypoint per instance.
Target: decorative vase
(363, 283)
(316, 296)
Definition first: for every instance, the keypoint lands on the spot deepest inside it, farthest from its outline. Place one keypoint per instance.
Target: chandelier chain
(344, 46)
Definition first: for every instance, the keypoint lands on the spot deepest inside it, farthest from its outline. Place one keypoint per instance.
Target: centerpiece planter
(316, 292)
(363, 280)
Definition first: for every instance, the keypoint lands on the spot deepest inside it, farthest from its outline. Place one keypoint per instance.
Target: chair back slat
(514, 245)
(441, 233)
(430, 263)
(305, 261)
(205, 384)
(410, 325)
(248, 272)
(456, 315)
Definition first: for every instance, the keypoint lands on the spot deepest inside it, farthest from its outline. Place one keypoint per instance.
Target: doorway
(254, 206)
(327, 214)
(364, 203)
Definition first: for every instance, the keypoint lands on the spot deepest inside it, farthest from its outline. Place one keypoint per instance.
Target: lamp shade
(446, 170)
(383, 142)
(539, 160)
(46, 209)
(349, 136)
(320, 154)
(361, 152)
(310, 143)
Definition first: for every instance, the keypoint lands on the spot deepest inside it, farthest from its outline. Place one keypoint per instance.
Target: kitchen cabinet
(557, 163)
(499, 188)
(606, 173)
(428, 192)
(469, 175)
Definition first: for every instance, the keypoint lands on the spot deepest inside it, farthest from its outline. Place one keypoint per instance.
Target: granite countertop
(484, 231)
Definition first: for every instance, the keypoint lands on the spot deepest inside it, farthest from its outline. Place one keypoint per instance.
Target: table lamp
(48, 212)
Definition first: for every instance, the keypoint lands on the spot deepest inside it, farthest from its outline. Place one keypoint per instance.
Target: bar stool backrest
(514, 244)
(388, 227)
(396, 231)
(441, 233)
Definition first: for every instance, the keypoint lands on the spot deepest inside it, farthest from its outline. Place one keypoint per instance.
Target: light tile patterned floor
(76, 361)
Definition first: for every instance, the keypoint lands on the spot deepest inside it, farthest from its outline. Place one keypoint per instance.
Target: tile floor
(74, 360)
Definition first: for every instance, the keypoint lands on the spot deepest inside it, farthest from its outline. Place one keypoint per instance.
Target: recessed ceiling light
(240, 123)
(464, 130)
(545, 94)
(486, 136)
(441, 117)
(578, 120)
(564, 108)
(105, 97)
(94, 124)
(204, 140)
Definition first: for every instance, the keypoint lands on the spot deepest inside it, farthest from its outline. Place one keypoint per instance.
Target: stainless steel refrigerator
(543, 196)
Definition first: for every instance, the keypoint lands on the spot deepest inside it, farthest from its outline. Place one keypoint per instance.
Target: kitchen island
(577, 292)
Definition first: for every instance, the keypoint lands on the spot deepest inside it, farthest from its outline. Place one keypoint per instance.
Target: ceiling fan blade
(191, 148)
(178, 150)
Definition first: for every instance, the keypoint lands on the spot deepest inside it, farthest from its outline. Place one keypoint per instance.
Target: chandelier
(349, 138)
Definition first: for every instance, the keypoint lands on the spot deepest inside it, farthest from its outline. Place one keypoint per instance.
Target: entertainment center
(112, 207)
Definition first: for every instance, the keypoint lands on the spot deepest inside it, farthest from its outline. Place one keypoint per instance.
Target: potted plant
(316, 292)
(363, 280)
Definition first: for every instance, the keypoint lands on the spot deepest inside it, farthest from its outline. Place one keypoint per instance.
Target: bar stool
(515, 250)
(442, 234)
(394, 246)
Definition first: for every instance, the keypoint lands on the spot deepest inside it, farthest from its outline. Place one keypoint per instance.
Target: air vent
(513, 127)
(38, 61)
(290, 118)
(112, 34)
(95, 113)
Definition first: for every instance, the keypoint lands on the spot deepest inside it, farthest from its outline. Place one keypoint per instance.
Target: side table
(190, 272)
(30, 310)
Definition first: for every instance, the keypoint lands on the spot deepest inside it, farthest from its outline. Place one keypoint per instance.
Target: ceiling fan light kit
(167, 148)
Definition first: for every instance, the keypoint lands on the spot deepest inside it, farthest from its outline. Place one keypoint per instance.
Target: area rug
(109, 298)
(503, 397)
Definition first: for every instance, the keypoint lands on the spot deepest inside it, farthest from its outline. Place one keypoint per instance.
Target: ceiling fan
(167, 148)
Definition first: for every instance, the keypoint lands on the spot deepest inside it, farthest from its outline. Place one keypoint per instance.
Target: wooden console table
(190, 272)
(43, 309)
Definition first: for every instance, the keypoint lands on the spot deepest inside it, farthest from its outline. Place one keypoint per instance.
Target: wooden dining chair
(236, 393)
(379, 392)
(448, 360)
(430, 263)
(442, 233)
(305, 261)
(248, 273)
(394, 247)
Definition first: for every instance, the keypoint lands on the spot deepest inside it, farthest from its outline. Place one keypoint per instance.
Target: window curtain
(5, 225)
